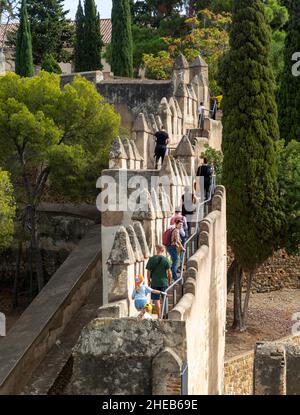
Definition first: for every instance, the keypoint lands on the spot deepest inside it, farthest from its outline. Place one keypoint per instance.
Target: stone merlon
(140, 233)
(144, 209)
(121, 252)
(181, 62)
(198, 62)
(184, 148)
(128, 149)
(135, 244)
(117, 150)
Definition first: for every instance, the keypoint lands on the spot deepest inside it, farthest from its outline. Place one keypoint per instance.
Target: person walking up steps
(162, 140)
(159, 275)
(173, 243)
(140, 293)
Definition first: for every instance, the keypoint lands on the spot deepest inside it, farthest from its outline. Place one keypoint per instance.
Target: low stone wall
(93, 76)
(239, 370)
(129, 357)
(277, 367)
(279, 271)
(39, 327)
(238, 375)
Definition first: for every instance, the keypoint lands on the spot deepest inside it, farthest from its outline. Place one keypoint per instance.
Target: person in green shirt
(159, 274)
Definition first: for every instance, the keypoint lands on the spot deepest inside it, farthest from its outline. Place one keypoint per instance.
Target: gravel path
(270, 318)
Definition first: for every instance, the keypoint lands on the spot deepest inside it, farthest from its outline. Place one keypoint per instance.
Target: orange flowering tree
(206, 35)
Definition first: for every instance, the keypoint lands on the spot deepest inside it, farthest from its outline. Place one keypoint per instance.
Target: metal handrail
(202, 204)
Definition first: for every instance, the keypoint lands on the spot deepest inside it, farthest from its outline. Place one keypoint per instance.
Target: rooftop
(105, 26)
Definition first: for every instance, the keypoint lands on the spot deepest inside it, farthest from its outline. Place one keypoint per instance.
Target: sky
(104, 7)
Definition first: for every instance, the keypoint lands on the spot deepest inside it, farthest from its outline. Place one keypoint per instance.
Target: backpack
(167, 236)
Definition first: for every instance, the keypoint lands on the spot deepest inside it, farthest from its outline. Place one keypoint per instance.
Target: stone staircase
(179, 293)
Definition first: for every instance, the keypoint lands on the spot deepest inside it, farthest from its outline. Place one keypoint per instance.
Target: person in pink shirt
(179, 216)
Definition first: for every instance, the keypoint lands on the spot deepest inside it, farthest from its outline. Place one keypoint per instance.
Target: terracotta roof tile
(104, 23)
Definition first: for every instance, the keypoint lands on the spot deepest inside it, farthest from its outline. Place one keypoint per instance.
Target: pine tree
(289, 92)
(92, 37)
(249, 144)
(52, 32)
(121, 43)
(24, 62)
(79, 43)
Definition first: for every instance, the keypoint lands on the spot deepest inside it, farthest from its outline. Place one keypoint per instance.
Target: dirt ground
(270, 318)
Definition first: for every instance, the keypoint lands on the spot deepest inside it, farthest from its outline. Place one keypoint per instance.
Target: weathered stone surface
(121, 252)
(164, 108)
(177, 176)
(167, 171)
(165, 203)
(114, 356)
(146, 210)
(238, 375)
(153, 123)
(198, 62)
(181, 62)
(269, 369)
(184, 148)
(128, 149)
(140, 233)
(190, 286)
(117, 150)
(181, 310)
(166, 373)
(156, 204)
(136, 247)
(292, 369)
(118, 309)
(136, 152)
(182, 90)
(140, 123)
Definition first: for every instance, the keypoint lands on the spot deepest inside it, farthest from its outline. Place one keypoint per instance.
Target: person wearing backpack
(159, 275)
(184, 231)
(206, 172)
(173, 243)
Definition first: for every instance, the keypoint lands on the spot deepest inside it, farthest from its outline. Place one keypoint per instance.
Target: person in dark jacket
(162, 140)
(205, 171)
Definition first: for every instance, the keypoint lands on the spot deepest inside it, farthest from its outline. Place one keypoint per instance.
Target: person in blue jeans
(174, 246)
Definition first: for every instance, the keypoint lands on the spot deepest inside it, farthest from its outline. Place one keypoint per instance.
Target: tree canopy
(24, 61)
(53, 134)
(121, 42)
(7, 210)
(289, 91)
(250, 135)
(92, 39)
(52, 32)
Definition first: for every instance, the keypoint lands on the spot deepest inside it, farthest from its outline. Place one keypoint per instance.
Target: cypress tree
(289, 91)
(121, 43)
(249, 145)
(79, 44)
(92, 37)
(52, 33)
(24, 61)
